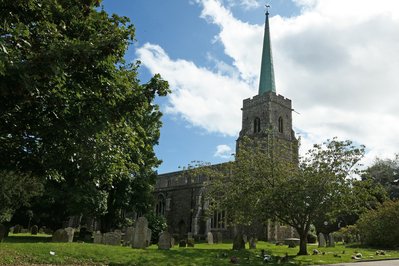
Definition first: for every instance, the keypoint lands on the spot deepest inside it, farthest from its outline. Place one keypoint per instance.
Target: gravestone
(3, 231)
(60, 236)
(128, 237)
(182, 243)
(322, 240)
(210, 238)
(331, 241)
(219, 238)
(245, 238)
(238, 242)
(149, 235)
(71, 232)
(252, 243)
(165, 241)
(34, 230)
(140, 238)
(17, 229)
(112, 238)
(172, 241)
(97, 238)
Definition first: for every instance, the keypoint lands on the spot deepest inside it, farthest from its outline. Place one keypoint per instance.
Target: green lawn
(25, 249)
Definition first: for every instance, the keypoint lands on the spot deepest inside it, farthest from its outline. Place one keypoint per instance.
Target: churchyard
(25, 248)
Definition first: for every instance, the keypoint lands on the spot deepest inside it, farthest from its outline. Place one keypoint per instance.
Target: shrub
(157, 224)
(348, 234)
(380, 227)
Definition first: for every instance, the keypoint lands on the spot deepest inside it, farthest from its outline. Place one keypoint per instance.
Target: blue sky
(335, 59)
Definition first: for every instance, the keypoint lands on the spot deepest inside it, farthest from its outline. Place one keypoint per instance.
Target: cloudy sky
(337, 60)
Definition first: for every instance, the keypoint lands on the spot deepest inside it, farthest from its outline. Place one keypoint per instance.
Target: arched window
(280, 125)
(160, 207)
(256, 125)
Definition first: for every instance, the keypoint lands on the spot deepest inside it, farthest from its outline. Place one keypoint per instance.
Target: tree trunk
(303, 243)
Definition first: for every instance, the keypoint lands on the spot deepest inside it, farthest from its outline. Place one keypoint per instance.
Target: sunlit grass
(26, 249)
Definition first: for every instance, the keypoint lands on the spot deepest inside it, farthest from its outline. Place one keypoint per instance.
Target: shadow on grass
(27, 239)
(214, 257)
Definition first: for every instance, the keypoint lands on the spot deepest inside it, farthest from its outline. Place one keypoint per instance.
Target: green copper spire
(266, 82)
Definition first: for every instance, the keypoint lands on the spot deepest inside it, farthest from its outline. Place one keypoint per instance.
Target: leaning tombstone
(322, 240)
(252, 243)
(71, 232)
(60, 236)
(112, 238)
(128, 237)
(140, 239)
(97, 238)
(3, 231)
(149, 235)
(331, 241)
(210, 238)
(165, 241)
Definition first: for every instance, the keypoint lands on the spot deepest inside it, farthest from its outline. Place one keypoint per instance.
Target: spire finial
(267, 9)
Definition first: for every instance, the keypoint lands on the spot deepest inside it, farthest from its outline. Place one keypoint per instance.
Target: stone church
(179, 198)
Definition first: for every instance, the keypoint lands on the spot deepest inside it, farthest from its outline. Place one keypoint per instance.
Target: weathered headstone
(128, 237)
(112, 238)
(252, 243)
(238, 242)
(34, 230)
(140, 238)
(210, 238)
(182, 243)
(219, 237)
(245, 238)
(149, 235)
(17, 229)
(3, 231)
(172, 241)
(165, 241)
(331, 241)
(97, 238)
(60, 236)
(71, 232)
(322, 240)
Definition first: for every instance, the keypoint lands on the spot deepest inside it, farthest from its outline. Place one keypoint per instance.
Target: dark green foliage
(16, 189)
(385, 173)
(380, 227)
(157, 224)
(348, 234)
(72, 111)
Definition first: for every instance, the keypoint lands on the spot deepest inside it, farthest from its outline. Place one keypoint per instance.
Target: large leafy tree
(72, 110)
(271, 183)
(385, 172)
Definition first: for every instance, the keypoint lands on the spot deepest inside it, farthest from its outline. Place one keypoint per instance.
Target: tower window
(257, 125)
(280, 125)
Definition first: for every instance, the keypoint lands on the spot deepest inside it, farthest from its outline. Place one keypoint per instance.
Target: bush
(380, 227)
(348, 234)
(157, 224)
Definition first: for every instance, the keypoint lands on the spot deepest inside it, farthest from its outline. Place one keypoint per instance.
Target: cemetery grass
(26, 250)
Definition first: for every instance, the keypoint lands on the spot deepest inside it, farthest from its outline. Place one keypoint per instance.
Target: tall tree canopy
(268, 183)
(72, 110)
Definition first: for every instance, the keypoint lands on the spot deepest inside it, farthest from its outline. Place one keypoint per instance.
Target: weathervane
(267, 9)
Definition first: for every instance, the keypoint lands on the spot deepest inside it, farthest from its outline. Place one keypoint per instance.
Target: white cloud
(337, 61)
(223, 151)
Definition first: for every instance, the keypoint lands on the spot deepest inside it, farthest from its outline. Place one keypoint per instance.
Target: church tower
(267, 113)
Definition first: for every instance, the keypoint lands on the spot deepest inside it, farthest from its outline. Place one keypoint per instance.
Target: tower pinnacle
(266, 81)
